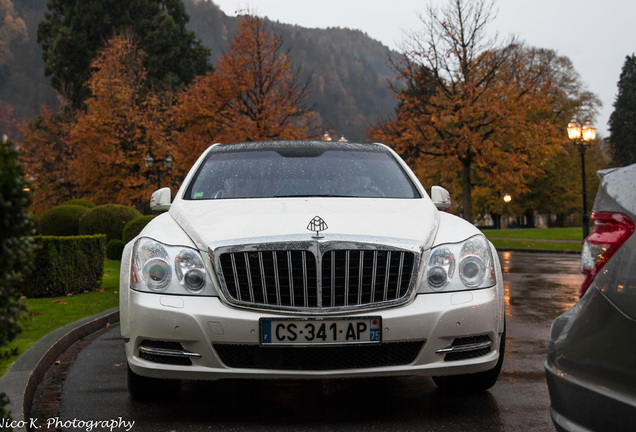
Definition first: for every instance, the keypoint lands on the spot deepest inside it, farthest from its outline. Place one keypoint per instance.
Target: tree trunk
(466, 189)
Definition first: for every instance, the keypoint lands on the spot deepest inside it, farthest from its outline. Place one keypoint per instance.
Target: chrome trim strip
(465, 347)
(168, 352)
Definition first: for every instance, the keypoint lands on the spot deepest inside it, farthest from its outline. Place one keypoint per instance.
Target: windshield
(300, 173)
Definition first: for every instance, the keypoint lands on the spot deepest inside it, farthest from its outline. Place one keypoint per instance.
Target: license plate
(318, 331)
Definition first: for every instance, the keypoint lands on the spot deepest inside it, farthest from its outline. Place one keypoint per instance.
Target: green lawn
(49, 314)
(575, 233)
(537, 239)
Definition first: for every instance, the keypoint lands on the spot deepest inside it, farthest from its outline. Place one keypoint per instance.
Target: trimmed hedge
(114, 249)
(81, 202)
(109, 219)
(66, 265)
(62, 220)
(134, 227)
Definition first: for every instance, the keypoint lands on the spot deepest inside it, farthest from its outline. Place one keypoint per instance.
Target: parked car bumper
(590, 365)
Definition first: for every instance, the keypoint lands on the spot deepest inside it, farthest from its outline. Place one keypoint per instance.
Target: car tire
(145, 388)
(477, 382)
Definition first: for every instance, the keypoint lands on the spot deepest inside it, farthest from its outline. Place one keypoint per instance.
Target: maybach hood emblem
(317, 224)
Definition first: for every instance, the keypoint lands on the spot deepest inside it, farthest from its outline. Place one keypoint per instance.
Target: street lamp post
(149, 161)
(582, 137)
(507, 198)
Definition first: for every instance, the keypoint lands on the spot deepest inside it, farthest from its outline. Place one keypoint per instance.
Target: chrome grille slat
(387, 274)
(290, 271)
(333, 278)
(248, 272)
(346, 287)
(277, 278)
(374, 273)
(261, 267)
(305, 284)
(360, 276)
(316, 280)
(400, 272)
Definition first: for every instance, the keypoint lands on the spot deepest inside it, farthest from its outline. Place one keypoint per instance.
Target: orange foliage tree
(473, 112)
(47, 158)
(122, 123)
(254, 94)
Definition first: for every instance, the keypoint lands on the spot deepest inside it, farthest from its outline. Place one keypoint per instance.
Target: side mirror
(440, 197)
(160, 199)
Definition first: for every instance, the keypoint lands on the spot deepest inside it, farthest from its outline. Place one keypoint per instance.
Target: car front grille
(323, 280)
(318, 358)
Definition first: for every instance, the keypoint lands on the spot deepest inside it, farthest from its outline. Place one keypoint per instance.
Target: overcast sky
(595, 35)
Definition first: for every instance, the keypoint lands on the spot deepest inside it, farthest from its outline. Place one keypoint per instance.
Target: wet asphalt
(538, 288)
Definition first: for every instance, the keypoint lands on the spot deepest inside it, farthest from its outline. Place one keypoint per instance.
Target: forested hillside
(349, 72)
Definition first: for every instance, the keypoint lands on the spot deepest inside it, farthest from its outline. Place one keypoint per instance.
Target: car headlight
(460, 266)
(167, 269)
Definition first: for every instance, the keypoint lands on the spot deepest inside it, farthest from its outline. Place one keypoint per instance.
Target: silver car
(591, 365)
(309, 260)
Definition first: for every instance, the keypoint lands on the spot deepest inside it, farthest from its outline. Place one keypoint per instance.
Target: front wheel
(477, 382)
(145, 388)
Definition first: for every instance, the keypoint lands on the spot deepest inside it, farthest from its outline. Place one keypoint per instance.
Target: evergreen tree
(74, 31)
(622, 122)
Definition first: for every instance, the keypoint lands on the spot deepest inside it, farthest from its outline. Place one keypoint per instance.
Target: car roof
(298, 148)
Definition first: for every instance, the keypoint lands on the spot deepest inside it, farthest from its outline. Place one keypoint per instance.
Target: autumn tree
(73, 33)
(485, 114)
(556, 190)
(47, 158)
(622, 123)
(123, 122)
(254, 94)
(12, 27)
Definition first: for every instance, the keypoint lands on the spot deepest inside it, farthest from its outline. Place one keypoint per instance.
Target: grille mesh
(296, 279)
(319, 358)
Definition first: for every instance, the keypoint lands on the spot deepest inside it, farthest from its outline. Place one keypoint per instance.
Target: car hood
(212, 221)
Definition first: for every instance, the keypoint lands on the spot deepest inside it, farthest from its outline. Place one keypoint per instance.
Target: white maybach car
(300, 260)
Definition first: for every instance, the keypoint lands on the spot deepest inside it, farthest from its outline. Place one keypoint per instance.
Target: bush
(66, 265)
(80, 202)
(62, 220)
(109, 219)
(114, 249)
(134, 227)
(16, 245)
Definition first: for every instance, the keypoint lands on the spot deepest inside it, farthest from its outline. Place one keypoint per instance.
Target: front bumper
(206, 329)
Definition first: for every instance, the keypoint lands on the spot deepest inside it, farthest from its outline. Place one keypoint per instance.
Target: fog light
(437, 277)
(194, 280)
